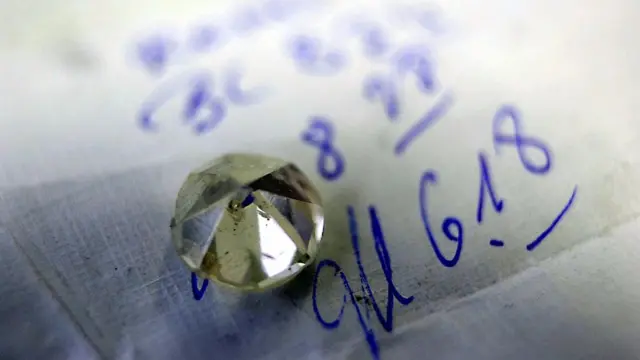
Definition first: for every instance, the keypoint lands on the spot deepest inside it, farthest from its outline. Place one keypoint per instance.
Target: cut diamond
(248, 221)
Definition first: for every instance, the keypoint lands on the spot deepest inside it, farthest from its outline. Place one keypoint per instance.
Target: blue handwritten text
(321, 135)
(203, 110)
(519, 140)
(384, 318)
(198, 292)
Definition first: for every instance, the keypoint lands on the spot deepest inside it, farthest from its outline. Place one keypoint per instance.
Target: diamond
(247, 221)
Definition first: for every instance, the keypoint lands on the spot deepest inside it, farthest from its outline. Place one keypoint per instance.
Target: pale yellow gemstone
(247, 221)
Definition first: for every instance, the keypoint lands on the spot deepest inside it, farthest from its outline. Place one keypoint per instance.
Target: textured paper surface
(87, 195)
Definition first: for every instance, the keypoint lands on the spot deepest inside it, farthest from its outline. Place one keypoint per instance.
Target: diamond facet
(247, 221)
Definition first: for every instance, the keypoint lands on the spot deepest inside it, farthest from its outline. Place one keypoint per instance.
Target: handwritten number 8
(320, 134)
(451, 226)
(520, 141)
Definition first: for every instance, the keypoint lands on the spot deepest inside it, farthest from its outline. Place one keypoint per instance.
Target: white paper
(88, 186)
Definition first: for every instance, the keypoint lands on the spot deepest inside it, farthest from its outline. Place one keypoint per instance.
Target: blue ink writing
(197, 98)
(337, 271)
(276, 10)
(204, 38)
(321, 134)
(157, 52)
(248, 19)
(236, 94)
(486, 186)
(203, 110)
(554, 223)
(520, 141)
(429, 19)
(379, 88)
(438, 111)
(430, 177)
(496, 243)
(193, 82)
(416, 61)
(154, 52)
(247, 200)
(375, 43)
(373, 39)
(198, 292)
(201, 98)
(393, 295)
(309, 55)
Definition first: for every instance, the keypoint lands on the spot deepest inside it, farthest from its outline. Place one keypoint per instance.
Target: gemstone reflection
(248, 221)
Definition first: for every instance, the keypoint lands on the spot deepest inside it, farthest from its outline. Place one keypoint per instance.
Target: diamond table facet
(247, 221)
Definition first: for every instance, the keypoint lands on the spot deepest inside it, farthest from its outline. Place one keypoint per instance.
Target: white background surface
(87, 193)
